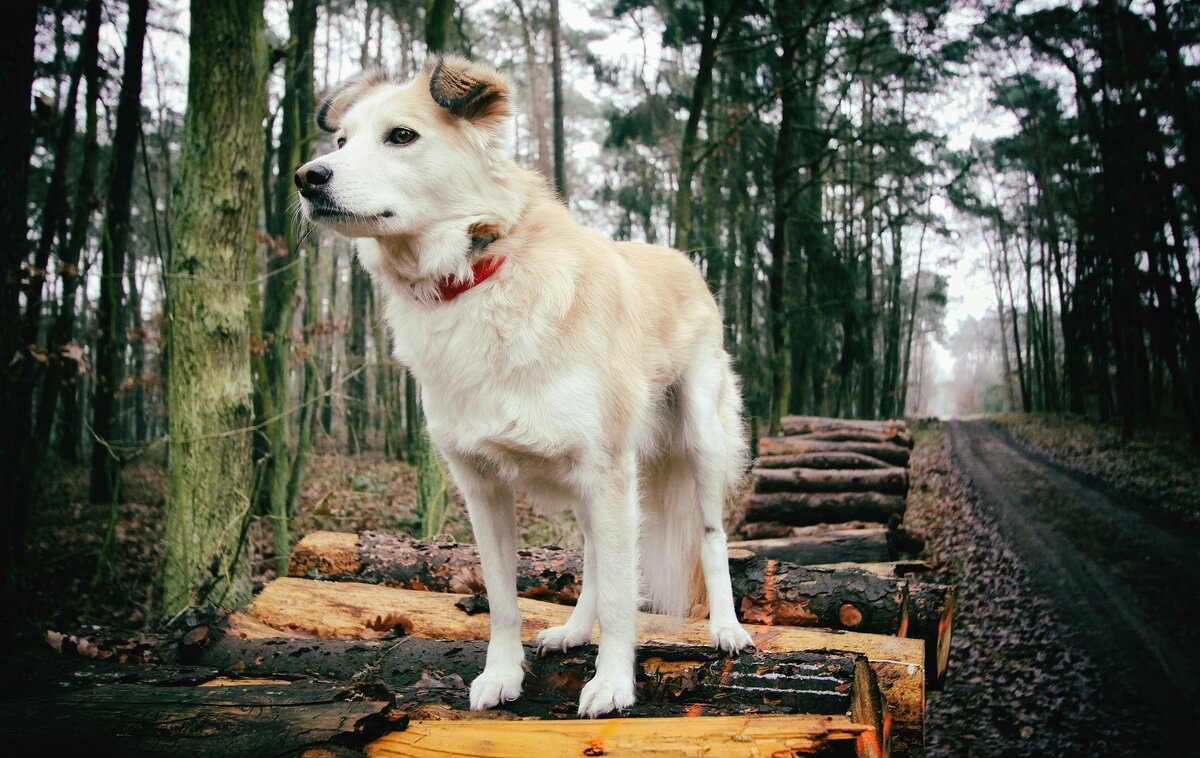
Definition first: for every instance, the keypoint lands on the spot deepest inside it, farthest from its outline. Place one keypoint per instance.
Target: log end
(326, 554)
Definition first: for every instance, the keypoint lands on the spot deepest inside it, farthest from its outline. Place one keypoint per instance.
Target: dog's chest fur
(498, 389)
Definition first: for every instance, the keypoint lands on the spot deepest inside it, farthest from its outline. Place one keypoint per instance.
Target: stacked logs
(823, 470)
(876, 610)
(830, 494)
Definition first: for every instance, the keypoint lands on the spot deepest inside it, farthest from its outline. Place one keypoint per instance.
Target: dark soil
(1074, 631)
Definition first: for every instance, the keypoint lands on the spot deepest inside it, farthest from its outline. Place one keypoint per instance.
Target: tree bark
(803, 509)
(888, 453)
(210, 278)
(825, 461)
(560, 160)
(16, 382)
(868, 545)
(114, 241)
(349, 610)
(890, 481)
(810, 424)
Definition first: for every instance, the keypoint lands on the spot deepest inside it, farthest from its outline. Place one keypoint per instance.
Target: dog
(587, 373)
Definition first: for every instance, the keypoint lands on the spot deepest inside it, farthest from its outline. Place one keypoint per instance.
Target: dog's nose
(310, 178)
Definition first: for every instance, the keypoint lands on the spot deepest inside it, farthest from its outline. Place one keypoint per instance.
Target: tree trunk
(560, 160)
(357, 421)
(890, 481)
(822, 546)
(63, 370)
(896, 455)
(803, 509)
(114, 241)
(16, 385)
(283, 269)
(209, 475)
(438, 17)
(820, 461)
(809, 424)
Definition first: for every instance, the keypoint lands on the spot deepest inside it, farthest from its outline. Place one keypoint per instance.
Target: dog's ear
(343, 97)
(472, 91)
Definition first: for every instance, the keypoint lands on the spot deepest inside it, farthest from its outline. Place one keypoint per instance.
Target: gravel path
(1032, 673)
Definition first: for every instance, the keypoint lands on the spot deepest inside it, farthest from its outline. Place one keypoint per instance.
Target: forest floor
(1076, 627)
(66, 532)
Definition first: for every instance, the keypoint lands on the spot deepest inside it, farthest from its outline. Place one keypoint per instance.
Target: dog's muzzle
(311, 179)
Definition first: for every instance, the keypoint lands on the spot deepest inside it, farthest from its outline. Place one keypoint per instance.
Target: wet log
(543, 573)
(820, 461)
(768, 591)
(228, 718)
(352, 610)
(730, 735)
(671, 679)
(803, 509)
(889, 481)
(827, 546)
(809, 424)
(931, 618)
(895, 455)
(903, 439)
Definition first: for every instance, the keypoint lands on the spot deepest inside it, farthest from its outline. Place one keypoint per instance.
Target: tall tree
(284, 261)
(114, 243)
(211, 273)
(16, 389)
(560, 169)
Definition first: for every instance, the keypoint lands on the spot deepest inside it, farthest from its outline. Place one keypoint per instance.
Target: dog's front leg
(494, 522)
(611, 531)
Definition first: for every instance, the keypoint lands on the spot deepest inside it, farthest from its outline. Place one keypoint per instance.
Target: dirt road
(1125, 587)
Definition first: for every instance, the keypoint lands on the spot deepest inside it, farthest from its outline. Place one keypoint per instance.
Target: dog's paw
(496, 685)
(731, 638)
(562, 638)
(605, 694)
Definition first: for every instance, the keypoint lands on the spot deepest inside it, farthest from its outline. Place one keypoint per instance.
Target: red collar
(451, 287)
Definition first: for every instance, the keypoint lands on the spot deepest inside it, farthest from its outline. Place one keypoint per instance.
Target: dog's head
(408, 154)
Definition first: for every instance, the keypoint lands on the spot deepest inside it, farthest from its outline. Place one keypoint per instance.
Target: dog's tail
(685, 491)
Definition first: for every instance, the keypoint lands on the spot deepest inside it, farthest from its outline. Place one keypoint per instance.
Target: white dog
(588, 373)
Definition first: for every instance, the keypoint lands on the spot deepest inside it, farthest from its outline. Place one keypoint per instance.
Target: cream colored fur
(588, 373)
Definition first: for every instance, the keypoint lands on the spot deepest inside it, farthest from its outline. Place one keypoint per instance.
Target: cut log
(889, 481)
(543, 573)
(672, 679)
(903, 439)
(352, 610)
(227, 718)
(765, 591)
(886, 569)
(820, 460)
(762, 530)
(802, 509)
(931, 618)
(807, 424)
(768, 591)
(730, 735)
(895, 455)
(829, 546)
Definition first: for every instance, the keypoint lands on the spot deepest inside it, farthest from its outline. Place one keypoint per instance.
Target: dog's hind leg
(578, 629)
(610, 529)
(715, 449)
(493, 515)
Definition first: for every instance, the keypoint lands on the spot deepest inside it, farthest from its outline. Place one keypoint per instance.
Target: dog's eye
(341, 142)
(401, 136)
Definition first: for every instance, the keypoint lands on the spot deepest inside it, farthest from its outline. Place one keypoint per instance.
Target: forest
(827, 165)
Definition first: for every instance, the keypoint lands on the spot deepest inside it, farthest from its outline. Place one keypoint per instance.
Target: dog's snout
(310, 178)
